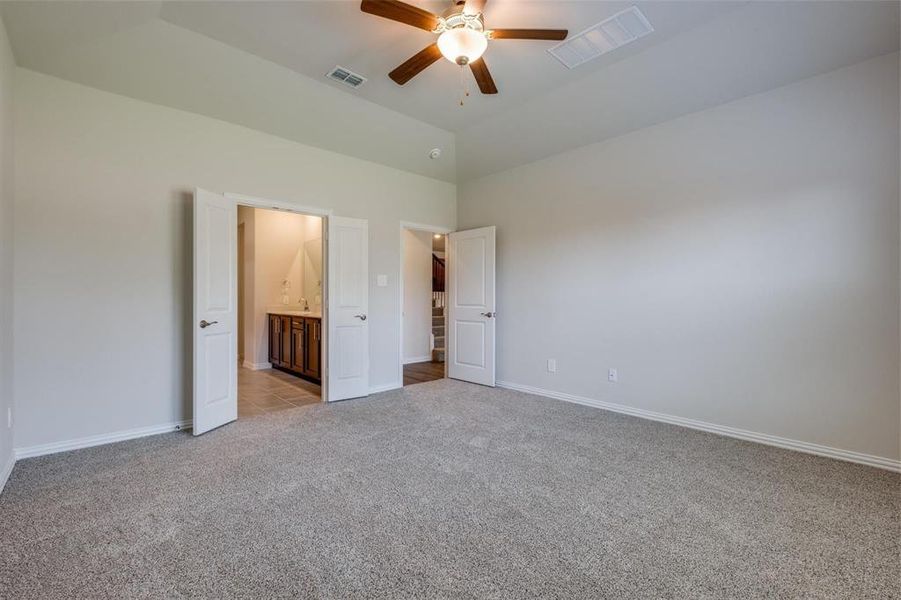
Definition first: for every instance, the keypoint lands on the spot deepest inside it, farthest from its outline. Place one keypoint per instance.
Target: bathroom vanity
(295, 343)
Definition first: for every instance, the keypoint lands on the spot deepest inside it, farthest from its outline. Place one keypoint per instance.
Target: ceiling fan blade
(400, 12)
(474, 7)
(415, 65)
(483, 76)
(529, 34)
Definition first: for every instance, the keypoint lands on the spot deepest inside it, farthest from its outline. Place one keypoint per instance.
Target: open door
(215, 323)
(348, 307)
(471, 306)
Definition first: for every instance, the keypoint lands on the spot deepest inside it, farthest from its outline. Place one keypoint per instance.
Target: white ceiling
(191, 55)
(312, 37)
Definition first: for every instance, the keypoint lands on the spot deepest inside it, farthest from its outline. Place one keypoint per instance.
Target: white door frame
(404, 226)
(324, 213)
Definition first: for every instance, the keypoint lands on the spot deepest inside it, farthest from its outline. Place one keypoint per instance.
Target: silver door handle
(361, 317)
(488, 314)
(205, 324)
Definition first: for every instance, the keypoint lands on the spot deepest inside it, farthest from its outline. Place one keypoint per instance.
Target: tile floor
(271, 390)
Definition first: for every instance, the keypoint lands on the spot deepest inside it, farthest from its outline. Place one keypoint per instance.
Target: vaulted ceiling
(263, 65)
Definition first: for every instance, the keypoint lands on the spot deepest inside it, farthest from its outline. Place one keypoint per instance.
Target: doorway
(342, 334)
(423, 303)
(280, 310)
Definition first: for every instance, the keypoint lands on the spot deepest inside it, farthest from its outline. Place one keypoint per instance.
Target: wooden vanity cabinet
(275, 341)
(312, 348)
(295, 345)
(285, 354)
(298, 344)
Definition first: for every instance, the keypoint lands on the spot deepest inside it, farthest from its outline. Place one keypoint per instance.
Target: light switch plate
(612, 375)
(381, 280)
(551, 365)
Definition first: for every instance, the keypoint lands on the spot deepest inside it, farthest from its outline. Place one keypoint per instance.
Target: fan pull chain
(463, 86)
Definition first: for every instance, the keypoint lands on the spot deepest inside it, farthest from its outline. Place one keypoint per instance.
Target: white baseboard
(7, 469)
(386, 387)
(98, 440)
(256, 366)
(417, 359)
(742, 434)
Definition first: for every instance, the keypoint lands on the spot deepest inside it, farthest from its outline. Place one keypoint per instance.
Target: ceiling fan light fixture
(462, 45)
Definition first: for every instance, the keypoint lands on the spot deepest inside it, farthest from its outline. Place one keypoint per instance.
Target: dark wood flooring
(422, 372)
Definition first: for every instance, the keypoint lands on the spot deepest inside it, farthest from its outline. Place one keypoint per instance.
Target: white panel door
(348, 308)
(471, 305)
(215, 323)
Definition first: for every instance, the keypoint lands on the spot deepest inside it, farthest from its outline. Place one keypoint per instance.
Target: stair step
(437, 321)
(438, 355)
(437, 312)
(438, 331)
(439, 343)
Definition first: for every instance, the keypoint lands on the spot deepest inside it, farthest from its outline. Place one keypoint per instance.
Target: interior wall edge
(99, 440)
(881, 462)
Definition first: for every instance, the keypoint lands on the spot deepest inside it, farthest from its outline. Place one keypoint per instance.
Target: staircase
(439, 299)
(438, 333)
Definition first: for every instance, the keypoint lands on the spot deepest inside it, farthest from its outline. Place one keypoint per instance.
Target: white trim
(880, 462)
(385, 387)
(315, 211)
(7, 469)
(99, 440)
(404, 225)
(424, 227)
(256, 202)
(256, 366)
(417, 359)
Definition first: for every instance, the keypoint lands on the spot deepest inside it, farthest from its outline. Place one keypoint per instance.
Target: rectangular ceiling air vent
(611, 33)
(347, 77)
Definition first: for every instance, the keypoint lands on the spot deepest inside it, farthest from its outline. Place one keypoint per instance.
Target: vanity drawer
(297, 322)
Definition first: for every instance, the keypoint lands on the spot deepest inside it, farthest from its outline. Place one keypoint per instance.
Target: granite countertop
(310, 314)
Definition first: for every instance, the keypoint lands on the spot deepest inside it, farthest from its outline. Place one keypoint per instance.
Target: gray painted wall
(738, 266)
(103, 200)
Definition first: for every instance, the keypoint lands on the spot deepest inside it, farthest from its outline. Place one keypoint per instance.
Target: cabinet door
(285, 331)
(275, 342)
(298, 345)
(313, 347)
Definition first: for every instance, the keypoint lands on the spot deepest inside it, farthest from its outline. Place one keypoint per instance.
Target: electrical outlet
(551, 365)
(612, 376)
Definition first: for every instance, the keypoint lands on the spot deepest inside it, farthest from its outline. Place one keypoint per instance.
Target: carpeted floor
(447, 490)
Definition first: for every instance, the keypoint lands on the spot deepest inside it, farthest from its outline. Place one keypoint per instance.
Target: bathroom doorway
(280, 310)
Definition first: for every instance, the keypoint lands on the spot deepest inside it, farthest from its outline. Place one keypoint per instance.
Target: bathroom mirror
(312, 268)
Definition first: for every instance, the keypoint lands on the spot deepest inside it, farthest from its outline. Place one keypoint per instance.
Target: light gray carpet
(447, 490)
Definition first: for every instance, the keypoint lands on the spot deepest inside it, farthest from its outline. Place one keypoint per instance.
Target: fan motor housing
(454, 17)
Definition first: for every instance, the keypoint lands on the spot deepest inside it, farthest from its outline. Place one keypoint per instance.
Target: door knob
(488, 314)
(204, 324)
(361, 317)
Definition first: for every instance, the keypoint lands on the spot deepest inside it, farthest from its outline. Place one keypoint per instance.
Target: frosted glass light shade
(462, 45)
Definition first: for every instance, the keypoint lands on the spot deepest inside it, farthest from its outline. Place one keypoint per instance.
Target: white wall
(175, 67)
(417, 295)
(103, 232)
(738, 266)
(7, 71)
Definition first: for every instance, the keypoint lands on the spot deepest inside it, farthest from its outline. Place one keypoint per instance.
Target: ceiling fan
(462, 37)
